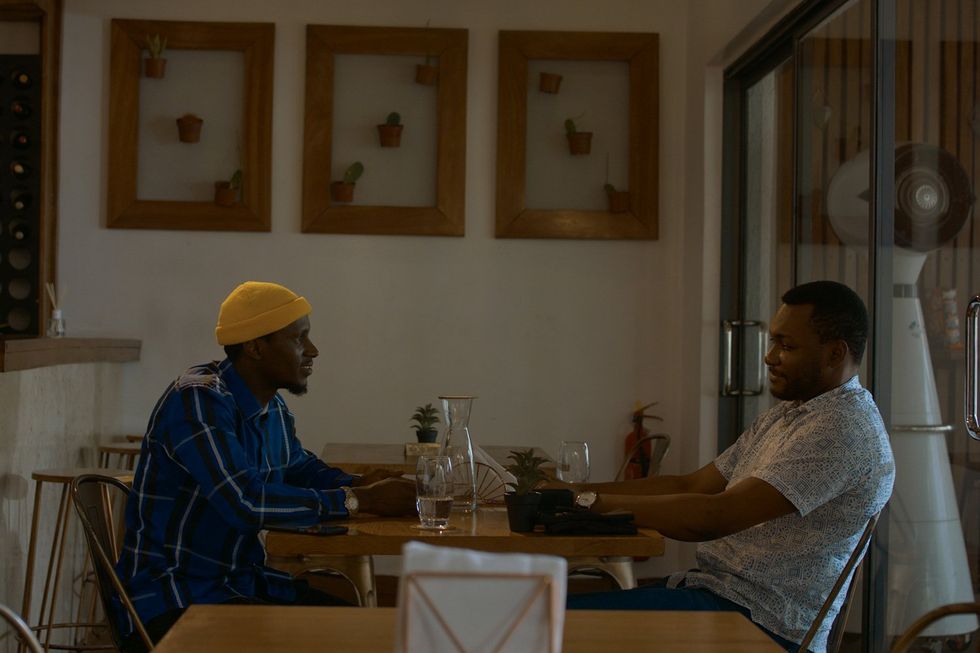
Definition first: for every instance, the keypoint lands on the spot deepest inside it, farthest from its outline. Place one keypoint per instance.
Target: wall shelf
(30, 353)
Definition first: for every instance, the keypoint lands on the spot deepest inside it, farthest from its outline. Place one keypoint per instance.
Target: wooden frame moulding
(125, 209)
(447, 217)
(641, 52)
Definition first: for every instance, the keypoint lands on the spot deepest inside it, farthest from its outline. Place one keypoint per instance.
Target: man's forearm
(685, 517)
(653, 485)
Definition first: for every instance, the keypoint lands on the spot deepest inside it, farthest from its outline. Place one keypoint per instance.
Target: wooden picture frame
(320, 214)
(125, 210)
(640, 51)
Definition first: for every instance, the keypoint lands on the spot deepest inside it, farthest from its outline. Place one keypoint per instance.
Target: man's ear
(252, 349)
(837, 353)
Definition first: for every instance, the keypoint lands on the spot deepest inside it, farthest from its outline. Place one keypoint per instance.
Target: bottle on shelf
(20, 109)
(20, 230)
(19, 139)
(19, 169)
(21, 79)
(21, 200)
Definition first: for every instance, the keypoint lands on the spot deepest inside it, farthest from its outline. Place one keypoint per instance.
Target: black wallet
(584, 522)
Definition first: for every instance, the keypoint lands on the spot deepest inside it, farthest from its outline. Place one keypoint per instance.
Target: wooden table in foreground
(359, 458)
(484, 530)
(258, 629)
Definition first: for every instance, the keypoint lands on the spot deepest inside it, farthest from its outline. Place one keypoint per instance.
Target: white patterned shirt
(831, 458)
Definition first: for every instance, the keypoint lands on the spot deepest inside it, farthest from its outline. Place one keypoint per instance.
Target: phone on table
(319, 529)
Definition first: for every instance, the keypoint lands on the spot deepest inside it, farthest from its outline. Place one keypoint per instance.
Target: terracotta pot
(619, 201)
(549, 82)
(155, 67)
(189, 128)
(426, 74)
(522, 511)
(224, 194)
(391, 135)
(579, 143)
(342, 192)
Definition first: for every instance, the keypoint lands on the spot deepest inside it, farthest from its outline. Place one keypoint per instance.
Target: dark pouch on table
(584, 522)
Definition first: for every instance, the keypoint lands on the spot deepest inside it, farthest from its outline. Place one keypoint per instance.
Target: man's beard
(298, 390)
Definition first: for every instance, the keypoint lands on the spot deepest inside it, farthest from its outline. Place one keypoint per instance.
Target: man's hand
(374, 476)
(391, 497)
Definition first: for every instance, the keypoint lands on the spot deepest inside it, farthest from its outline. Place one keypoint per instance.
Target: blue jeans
(659, 597)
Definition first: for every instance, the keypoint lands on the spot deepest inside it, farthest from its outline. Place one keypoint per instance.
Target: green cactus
(353, 172)
(394, 118)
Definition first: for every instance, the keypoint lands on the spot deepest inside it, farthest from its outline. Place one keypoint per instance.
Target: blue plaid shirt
(216, 468)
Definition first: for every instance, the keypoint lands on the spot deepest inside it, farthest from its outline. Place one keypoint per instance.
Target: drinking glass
(434, 491)
(573, 461)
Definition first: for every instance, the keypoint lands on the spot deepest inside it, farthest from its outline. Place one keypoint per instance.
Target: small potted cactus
(522, 502)
(578, 142)
(155, 65)
(425, 417)
(549, 82)
(226, 192)
(619, 200)
(343, 191)
(189, 128)
(391, 131)
(427, 74)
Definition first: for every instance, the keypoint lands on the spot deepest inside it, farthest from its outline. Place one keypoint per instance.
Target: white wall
(558, 338)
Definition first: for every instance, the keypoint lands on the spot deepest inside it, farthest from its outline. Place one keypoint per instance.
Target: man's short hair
(838, 313)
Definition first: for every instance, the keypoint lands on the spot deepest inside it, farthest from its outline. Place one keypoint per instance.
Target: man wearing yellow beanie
(221, 461)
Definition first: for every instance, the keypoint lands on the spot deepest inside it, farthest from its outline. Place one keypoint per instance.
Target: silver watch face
(585, 499)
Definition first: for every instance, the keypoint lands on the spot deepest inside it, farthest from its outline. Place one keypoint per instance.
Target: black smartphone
(319, 529)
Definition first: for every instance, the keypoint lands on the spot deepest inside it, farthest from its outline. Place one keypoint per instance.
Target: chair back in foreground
(94, 497)
(658, 450)
(473, 602)
(847, 576)
(21, 630)
(903, 643)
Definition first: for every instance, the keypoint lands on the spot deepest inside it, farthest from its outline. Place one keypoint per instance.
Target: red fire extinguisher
(639, 460)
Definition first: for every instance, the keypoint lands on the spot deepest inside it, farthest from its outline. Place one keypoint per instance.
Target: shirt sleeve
(201, 437)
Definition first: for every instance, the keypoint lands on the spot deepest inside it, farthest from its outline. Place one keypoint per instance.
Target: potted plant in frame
(522, 502)
(619, 200)
(427, 73)
(189, 128)
(155, 65)
(226, 192)
(343, 191)
(549, 82)
(578, 142)
(426, 417)
(390, 132)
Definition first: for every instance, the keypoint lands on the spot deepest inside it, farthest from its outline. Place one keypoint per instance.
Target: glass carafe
(458, 445)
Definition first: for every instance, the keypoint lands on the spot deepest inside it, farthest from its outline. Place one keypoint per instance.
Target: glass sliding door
(881, 132)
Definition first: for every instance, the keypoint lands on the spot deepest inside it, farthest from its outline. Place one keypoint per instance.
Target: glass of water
(434, 491)
(573, 461)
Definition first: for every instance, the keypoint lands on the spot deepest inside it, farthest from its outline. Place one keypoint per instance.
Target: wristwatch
(350, 500)
(585, 498)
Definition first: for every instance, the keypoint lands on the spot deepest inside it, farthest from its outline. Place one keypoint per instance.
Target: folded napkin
(476, 598)
(481, 456)
(585, 522)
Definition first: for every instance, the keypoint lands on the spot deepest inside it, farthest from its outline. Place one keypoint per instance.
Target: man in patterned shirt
(220, 462)
(779, 512)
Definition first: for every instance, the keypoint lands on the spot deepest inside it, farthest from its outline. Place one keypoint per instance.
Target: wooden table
(484, 530)
(259, 629)
(359, 458)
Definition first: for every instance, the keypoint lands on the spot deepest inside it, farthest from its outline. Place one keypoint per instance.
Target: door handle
(972, 398)
(729, 388)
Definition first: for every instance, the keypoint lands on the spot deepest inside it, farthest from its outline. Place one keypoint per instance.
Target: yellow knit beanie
(257, 308)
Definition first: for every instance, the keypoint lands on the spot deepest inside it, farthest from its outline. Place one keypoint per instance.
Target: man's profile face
(796, 358)
(287, 356)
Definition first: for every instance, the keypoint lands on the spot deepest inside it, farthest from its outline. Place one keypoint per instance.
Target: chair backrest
(21, 629)
(93, 497)
(905, 641)
(846, 577)
(659, 449)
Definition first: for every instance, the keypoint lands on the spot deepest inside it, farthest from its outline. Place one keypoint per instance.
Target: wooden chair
(846, 577)
(21, 630)
(92, 496)
(657, 453)
(912, 632)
